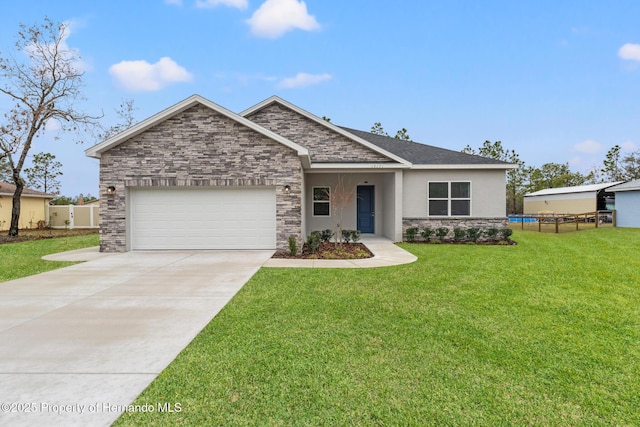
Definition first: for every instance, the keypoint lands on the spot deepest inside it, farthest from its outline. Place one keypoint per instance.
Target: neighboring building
(34, 206)
(627, 203)
(571, 200)
(198, 176)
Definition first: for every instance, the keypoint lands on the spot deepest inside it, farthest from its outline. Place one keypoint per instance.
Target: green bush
(441, 233)
(492, 234)
(346, 235)
(411, 234)
(506, 233)
(293, 245)
(355, 236)
(326, 235)
(313, 242)
(474, 233)
(459, 234)
(427, 233)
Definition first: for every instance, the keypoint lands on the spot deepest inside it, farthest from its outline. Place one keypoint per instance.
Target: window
(449, 199)
(321, 203)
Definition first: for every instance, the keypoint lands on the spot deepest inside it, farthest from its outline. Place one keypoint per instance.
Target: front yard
(546, 332)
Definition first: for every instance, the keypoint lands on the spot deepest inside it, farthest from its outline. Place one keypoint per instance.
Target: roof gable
(181, 106)
(383, 155)
(575, 189)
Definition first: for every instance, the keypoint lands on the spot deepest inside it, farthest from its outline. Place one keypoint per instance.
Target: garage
(202, 218)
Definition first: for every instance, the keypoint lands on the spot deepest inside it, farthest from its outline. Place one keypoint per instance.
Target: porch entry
(366, 208)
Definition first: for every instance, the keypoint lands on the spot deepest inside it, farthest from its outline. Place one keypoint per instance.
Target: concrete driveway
(79, 344)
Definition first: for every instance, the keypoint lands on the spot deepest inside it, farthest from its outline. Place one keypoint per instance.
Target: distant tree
(125, 113)
(42, 83)
(5, 170)
(631, 165)
(66, 200)
(612, 168)
(516, 178)
(326, 119)
(378, 129)
(553, 175)
(43, 174)
(403, 135)
(62, 200)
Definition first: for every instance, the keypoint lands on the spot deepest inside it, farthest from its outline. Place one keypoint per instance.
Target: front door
(366, 208)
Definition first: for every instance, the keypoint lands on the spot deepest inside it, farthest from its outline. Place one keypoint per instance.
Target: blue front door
(366, 209)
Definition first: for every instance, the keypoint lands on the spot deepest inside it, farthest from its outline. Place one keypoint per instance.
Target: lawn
(25, 258)
(546, 332)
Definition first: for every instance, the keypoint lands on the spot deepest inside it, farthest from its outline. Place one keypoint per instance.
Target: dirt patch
(329, 250)
(39, 234)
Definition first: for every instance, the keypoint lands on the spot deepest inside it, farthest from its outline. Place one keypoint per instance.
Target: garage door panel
(203, 218)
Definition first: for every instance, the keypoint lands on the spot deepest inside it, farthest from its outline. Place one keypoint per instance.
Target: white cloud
(588, 146)
(630, 51)
(303, 80)
(207, 4)
(276, 17)
(629, 146)
(138, 76)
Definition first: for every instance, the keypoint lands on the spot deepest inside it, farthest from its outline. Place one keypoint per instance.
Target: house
(34, 206)
(198, 176)
(571, 200)
(627, 203)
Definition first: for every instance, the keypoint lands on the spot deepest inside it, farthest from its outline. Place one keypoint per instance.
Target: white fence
(71, 216)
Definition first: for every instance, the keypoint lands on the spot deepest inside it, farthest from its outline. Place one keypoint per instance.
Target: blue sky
(558, 81)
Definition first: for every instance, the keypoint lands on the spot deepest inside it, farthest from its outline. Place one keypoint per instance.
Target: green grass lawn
(24, 259)
(543, 333)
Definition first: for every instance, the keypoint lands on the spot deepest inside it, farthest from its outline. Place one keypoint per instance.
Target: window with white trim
(449, 198)
(321, 201)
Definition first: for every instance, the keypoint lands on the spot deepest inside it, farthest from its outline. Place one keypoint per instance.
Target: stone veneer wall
(324, 145)
(451, 223)
(199, 147)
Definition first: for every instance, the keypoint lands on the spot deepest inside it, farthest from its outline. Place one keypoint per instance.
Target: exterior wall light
(287, 189)
(111, 189)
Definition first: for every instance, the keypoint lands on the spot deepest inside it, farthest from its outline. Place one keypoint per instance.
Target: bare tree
(43, 83)
(339, 198)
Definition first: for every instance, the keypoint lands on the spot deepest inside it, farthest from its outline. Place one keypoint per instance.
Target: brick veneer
(451, 223)
(324, 145)
(199, 147)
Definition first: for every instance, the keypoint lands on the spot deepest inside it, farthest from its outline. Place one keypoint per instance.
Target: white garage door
(202, 218)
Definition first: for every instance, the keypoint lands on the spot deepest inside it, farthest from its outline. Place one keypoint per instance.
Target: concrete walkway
(79, 344)
(385, 252)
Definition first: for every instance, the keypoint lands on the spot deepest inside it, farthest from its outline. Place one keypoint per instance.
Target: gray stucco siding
(199, 147)
(324, 145)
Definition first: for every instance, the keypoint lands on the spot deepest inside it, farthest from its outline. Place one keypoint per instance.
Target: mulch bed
(39, 234)
(329, 250)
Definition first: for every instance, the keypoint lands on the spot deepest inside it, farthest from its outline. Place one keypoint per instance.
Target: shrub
(346, 235)
(326, 235)
(474, 233)
(441, 233)
(492, 234)
(427, 233)
(506, 233)
(355, 235)
(411, 234)
(293, 245)
(459, 234)
(313, 242)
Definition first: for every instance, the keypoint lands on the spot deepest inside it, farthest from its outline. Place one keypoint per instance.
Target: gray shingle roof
(7, 189)
(422, 154)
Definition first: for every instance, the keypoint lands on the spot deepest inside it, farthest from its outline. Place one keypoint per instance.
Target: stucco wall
(488, 191)
(198, 147)
(628, 209)
(32, 210)
(323, 144)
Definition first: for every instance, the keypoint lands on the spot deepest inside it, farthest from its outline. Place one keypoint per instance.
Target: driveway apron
(79, 344)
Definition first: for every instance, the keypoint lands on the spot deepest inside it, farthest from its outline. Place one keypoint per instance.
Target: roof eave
(465, 166)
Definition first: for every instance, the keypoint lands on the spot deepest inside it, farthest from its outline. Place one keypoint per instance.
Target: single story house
(571, 200)
(198, 176)
(34, 206)
(627, 203)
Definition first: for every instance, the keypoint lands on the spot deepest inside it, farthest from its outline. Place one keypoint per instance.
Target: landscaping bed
(328, 250)
(44, 233)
